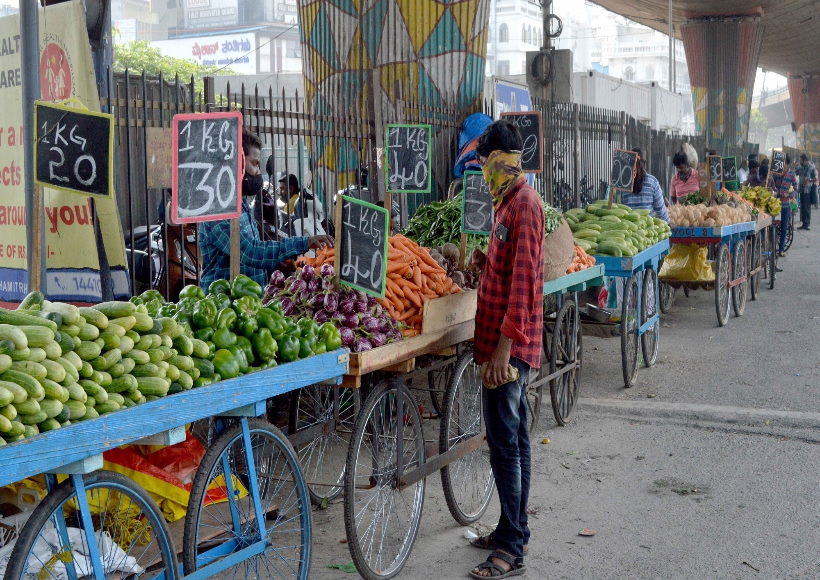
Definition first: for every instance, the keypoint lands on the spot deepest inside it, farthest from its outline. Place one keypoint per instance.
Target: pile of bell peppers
(241, 333)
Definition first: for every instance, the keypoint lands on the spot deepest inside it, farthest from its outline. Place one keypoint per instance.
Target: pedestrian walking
(807, 189)
(783, 187)
(509, 324)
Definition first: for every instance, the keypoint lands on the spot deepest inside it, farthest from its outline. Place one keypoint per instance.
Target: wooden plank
(449, 311)
(235, 249)
(403, 367)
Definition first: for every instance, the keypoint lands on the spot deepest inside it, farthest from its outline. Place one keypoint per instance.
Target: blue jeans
(785, 218)
(505, 417)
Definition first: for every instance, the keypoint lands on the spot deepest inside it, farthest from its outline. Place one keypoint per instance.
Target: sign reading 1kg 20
(408, 159)
(74, 149)
(206, 154)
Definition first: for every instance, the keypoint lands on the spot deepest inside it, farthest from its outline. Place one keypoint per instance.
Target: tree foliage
(140, 56)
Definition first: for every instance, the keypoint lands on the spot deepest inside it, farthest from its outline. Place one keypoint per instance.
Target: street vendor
(686, 179)
(783, 186)
(509, 324)
(646, 190)
(257, 257)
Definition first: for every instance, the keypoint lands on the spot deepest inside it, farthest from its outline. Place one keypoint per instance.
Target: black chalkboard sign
(476, 205)
(362, 246)
(715, 168)
(206, 174)
(529, 124)
(74, 149)
(623, 169)
(729, 169)
(778, 163)
(407, 169)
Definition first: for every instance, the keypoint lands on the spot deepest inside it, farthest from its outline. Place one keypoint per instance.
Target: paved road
(707, 468)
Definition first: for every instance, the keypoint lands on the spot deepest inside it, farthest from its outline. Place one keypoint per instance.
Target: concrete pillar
(722, 55)
(805, 96)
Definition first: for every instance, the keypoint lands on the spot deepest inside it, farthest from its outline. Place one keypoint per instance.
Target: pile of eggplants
(317, 294)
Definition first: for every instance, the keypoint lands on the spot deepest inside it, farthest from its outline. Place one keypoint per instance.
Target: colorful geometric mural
(361, 55)
(805, 97)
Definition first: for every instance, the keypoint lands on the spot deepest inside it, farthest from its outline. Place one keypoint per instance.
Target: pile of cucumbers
(618, 231)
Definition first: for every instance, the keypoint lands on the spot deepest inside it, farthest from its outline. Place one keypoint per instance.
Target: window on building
(503, 67)
(524, 33)
(503, 33)
(629, 74)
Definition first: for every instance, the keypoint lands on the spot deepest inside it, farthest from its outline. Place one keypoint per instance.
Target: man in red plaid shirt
(508, 331)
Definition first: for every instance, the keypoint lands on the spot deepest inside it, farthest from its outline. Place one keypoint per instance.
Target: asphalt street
(706, 468)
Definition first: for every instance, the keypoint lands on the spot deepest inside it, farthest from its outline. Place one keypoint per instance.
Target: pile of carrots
(580, 261)
(413, 277)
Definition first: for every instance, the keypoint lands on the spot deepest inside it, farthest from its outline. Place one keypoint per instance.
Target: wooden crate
(449, 311)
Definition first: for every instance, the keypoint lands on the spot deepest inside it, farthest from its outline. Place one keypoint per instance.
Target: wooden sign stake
(462, 251)
(35, 282)
(235, 248)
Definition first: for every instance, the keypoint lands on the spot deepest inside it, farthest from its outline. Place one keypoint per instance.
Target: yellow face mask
(502, 171)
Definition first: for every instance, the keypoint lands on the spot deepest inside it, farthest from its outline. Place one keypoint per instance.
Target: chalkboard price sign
(408, 159)
(363, 246)
(715, 168)
(529, 124)
(729, 169)
(623, 169)
(778, 162)
(206, 172)
(476, 205)
(74, 149)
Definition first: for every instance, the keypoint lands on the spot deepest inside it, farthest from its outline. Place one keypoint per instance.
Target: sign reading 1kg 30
(74, 149)
(408, 159)
(363, 246)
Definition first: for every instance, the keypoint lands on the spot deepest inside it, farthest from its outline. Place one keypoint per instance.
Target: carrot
(409, 332)
(394, 287)
(417, 277)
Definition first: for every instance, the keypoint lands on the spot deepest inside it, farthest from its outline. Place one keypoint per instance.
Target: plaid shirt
(256, 257)
(781, 184)
(649, 197)
(510, 292)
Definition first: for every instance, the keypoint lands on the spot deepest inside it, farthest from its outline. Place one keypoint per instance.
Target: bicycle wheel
(722, 277)
(789, 235)
(739, 271)
(667, 297)
(381, 520)
(629, 331)
(755, 254)
(650, 339)
(323, 458)
(222, 519)
(437, 382)
(468, 482)
(565, 350)
(132, 537)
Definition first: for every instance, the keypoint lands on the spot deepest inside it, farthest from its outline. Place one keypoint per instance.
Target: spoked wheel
(739, 271)
(629, 331)
(667, 297)
(755, 253)
(323, 457)
(468, 482)
(722, 285)
(787, 243)
(437, 381)
(222, 515)
(132, 538)
(772, 258)
(381, 520)
(649, 307)
(564, 351)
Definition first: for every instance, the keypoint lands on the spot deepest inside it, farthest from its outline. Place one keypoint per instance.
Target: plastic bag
(687, 262)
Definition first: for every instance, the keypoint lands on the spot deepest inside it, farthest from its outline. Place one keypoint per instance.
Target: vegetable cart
(730, 264)
(249, 507)
(562, 354)
(640, 306)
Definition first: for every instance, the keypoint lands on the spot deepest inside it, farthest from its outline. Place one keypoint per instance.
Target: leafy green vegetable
(438, 223)
(552, 219)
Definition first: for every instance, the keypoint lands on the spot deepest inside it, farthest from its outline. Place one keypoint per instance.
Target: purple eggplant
(321, 317)
(330, 302)
(326, 271)
(372, 324)
(347, 306)
(377, 339)
(317, 301)
(277, 279)
(348, 337)
(307, 273)
(350, 320)
(289, 309)
(362, 344)
(360, 306)
(297, 286)
(314, 285)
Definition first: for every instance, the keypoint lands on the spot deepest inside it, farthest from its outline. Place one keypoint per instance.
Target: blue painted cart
(248, 513)
(640, 306)
(731, 264)
(562, 354)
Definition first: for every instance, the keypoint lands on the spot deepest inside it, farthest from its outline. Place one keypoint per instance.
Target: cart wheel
(722, 285)
(667, 297)
(738, 271)
(773, 241)
(468, 482)
(381, 520)
(755, 261)
(565, 350)
(437, 383)
(221, 518)
(787, 243)
(650, 339)
(629, 331)
(122, 513)
(323, 458)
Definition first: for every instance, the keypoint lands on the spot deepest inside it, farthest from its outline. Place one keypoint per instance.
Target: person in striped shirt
(646, 191)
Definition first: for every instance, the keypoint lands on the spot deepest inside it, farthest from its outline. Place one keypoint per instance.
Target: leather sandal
(497, 572)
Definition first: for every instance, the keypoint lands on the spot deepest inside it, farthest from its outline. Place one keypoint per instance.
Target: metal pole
(671, 87)
(30, 65)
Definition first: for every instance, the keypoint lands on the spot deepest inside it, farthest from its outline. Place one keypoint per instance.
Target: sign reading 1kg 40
(74, 149)
(363, 246)
(408, 159)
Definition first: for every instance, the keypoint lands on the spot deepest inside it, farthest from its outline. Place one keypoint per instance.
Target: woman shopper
(646, 190)
(686, 179)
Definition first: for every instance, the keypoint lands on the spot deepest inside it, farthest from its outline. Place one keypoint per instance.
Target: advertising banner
(235, 51)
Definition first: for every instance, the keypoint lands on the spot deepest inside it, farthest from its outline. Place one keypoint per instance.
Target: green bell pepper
(274, 305)
(247, 304)
(226, 318)
(221, 300)
(270, 364)
(182, 317)
(136, 300)
(239, 354)
(186, 305)
(271, 320)
(264, 345)
(330, 336)
(244, 343)
(288, 347)
(223, 337)
(226, 364)
(204, 334)
(152, 295)
(244, 286)
(246, 325)
(320, 348)
(192, 291)
(220, 286)
(154, 307)
(204, 315)
(167, 310)
(306, 345)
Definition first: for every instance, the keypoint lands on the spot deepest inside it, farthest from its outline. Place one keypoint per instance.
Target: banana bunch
(762, 198)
